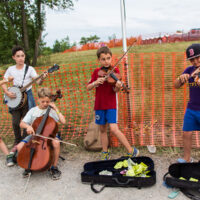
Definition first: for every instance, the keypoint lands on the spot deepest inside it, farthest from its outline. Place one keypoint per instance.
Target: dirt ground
(41, 186)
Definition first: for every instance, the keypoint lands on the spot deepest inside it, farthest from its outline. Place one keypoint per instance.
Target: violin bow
(49, 138)
(111, 71)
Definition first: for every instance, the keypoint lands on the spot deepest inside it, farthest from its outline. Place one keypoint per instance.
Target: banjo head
(13, 103)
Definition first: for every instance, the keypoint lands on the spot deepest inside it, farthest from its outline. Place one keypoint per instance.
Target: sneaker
(55, 173)
(105, 155)
(181, 160)
(15, 157)
(26, 173)
(9, 160)
(135, 153)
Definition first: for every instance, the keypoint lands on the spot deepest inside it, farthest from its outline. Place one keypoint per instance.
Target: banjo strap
(25, 72)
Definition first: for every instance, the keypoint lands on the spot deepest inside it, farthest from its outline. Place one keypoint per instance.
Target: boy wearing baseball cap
(192, 114)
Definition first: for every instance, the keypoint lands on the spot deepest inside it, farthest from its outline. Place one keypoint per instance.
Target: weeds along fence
(152, 113)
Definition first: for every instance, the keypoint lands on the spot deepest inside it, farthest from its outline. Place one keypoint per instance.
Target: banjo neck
(50, 70)
(23, 89)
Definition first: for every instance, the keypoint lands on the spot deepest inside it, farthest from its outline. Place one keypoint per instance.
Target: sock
(52, 167)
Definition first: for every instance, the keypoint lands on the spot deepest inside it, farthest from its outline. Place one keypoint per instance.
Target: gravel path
(69, 187)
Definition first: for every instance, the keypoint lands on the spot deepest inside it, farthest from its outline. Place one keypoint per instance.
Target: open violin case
(186, 177)
(91, 175)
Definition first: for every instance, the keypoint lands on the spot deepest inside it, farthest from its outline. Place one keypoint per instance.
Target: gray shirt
(36, 112)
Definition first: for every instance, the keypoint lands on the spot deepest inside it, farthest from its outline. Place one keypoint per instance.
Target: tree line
(63, 44)
(22, 22)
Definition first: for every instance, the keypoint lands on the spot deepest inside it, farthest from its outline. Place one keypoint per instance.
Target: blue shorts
(191, 120)
(106, 116)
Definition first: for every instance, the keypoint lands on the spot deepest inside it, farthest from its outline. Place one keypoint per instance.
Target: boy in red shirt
(106, 104)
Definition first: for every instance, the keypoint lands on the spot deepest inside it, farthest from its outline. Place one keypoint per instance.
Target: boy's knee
(114, 129)
(56, 143)
(187, 134)
(27, 139)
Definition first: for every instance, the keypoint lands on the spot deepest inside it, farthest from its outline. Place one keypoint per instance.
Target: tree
(83, 41)
(24, 22)
(62, 45)
(112, 37)
(91, 39)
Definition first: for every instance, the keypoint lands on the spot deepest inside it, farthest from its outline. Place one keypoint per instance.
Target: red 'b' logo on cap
(191, 52)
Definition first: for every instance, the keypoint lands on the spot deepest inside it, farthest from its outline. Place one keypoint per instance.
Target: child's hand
(11, 95)
(53, 105)
(100, 81)
(10, 78)
(118, 84)
(184, 78)
(30, 130)
(44, 75)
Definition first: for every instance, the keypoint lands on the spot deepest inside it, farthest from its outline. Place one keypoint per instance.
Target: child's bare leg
(56, 147)
(3, 147)
(104, 137)
(121, 137)
(20, 145)
(187, 145)
(23, 142)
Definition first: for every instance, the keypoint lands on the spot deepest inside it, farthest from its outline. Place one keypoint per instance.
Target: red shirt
(105, 97)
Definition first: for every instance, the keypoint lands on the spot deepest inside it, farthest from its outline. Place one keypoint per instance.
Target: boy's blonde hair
(44, 92)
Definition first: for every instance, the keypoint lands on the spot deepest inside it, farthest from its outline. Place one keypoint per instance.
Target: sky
(103, 18)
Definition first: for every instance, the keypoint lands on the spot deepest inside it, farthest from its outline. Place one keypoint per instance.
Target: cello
(37, 154)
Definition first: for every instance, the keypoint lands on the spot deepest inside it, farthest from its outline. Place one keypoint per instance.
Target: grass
(90, 55)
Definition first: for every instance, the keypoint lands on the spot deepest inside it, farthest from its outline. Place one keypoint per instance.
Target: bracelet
(93, 84)
(58, 112)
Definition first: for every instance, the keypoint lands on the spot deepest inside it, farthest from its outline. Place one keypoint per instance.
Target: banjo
(20, 92)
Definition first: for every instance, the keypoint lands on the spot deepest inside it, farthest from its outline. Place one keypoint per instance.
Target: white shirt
(36, 112)
(18, 75)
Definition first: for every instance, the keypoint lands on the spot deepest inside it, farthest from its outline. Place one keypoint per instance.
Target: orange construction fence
(152, 113)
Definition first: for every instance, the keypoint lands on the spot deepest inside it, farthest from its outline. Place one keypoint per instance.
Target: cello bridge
(35, 141)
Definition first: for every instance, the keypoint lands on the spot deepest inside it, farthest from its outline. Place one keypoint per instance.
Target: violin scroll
(58, 94)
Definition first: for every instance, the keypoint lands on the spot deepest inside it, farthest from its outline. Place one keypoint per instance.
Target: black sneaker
(9, 160)
(15, 157)
(26, 173)
(55, 173)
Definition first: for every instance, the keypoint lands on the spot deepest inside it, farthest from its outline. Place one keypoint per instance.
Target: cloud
(103, 18)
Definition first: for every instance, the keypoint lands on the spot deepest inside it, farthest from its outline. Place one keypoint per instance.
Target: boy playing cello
(44, 101)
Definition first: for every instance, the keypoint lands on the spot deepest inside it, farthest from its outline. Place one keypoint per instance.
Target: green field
(90, 55)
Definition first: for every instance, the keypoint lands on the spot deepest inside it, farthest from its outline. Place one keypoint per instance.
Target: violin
(37, 154)
(196, 75)
(111, 76)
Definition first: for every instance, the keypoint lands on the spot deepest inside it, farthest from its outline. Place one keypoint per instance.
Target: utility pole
(125, 63)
